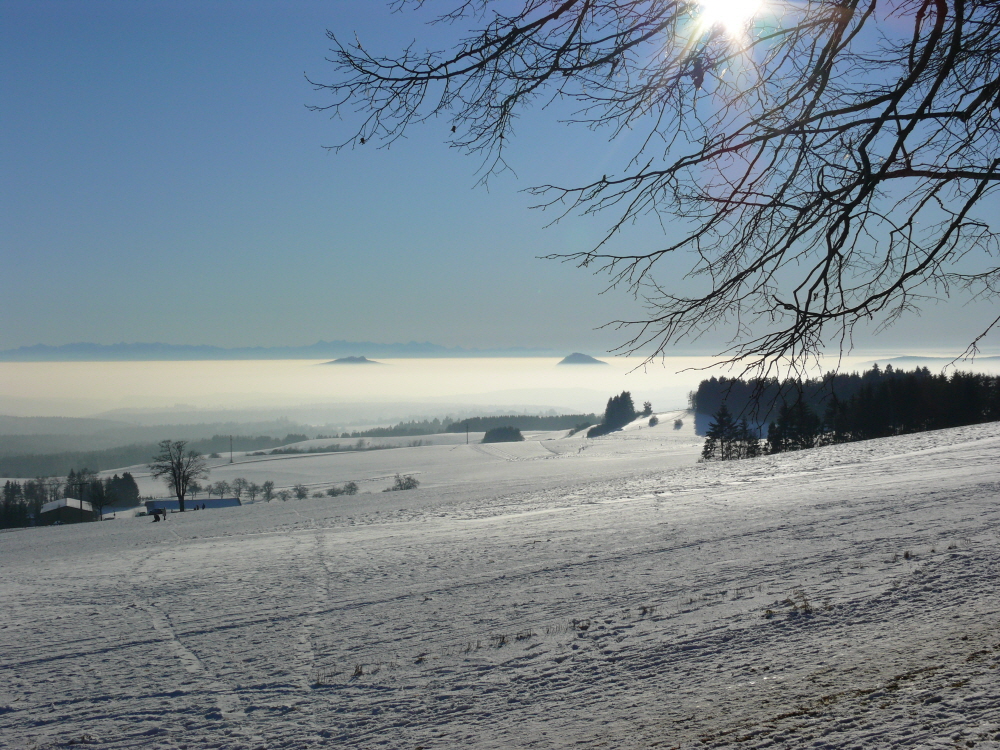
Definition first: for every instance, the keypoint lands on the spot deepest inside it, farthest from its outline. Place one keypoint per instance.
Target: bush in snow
(351, 488)
(409, 482)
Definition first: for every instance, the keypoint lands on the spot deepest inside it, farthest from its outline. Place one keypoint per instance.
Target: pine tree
(747, 444)
(619, 411)
(719, 438)
(777, 440)
(796, 428)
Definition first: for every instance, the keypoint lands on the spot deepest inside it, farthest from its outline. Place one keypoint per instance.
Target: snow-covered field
(452, 468)
(536, 595)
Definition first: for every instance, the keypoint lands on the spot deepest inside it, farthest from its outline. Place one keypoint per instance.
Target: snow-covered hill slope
(454, 469)
(840, 597)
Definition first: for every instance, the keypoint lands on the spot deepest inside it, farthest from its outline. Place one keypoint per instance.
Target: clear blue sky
(163, 181)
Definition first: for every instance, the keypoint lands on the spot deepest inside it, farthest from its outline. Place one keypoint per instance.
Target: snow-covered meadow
(560, 592)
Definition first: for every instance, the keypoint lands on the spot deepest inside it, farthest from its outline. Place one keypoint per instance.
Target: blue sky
(164, 181)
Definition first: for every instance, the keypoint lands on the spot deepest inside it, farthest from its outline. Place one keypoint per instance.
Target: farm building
(67, 510)
(171, 505)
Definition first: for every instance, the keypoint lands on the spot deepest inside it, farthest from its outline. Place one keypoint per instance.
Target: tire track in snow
(228, 702)
(309, 630)
(492, 452)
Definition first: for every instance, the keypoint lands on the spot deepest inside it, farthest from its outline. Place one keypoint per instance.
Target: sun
(731, 15)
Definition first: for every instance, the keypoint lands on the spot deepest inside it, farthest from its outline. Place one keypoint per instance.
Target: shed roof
(172, 504)
(68, 502)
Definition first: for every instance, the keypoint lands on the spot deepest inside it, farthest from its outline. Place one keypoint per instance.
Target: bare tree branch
(833, 165)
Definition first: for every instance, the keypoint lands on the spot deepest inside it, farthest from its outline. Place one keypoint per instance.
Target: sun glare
(731, 15)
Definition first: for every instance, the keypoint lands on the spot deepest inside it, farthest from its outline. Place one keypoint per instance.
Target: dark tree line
(20, 501)
(913, 402)
(522, 422)
(759, 399)
(846, 408)
(404, 429)
(474, 424)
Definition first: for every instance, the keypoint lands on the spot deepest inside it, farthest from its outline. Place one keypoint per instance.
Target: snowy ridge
(840, 597)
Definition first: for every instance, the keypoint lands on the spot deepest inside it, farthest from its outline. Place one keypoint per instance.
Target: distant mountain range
(85, 352)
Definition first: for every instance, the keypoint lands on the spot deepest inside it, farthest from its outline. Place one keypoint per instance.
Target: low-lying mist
(49, 407)
(319, 394)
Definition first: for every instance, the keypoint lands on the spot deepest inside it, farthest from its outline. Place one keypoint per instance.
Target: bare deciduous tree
(827, 164)
(177, 467)
(239, 486)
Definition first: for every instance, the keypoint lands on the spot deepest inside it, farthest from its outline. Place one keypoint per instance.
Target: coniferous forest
(841, 408)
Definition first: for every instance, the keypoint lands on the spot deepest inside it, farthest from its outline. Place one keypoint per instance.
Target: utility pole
(466, 431)
(230, 449)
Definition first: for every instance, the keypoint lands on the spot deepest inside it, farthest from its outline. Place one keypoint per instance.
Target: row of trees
(522, 422)
(882, 404)
(180, 469)
(475, 424)
(238, 488)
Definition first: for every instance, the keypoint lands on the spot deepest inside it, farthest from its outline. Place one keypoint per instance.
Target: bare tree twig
(833, 166)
